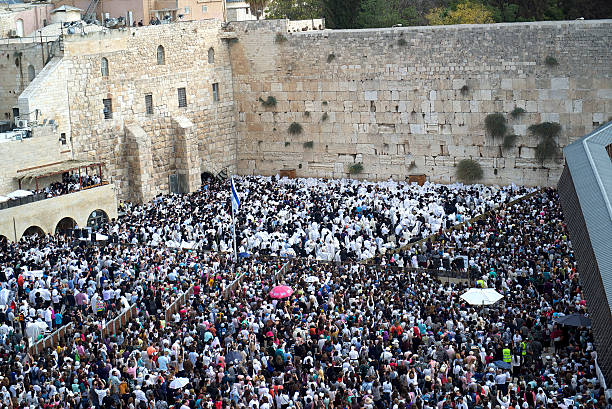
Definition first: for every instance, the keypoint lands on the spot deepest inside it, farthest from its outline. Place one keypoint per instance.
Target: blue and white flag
(235, 198)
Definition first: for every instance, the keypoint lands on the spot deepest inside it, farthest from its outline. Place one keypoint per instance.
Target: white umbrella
(312, 279)
(178, 383)
(481, 296)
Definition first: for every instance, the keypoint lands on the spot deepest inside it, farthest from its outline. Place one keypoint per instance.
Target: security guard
(507, 354)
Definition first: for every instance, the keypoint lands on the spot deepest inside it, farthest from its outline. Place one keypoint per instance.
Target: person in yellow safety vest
(506, 354)
(523, 348)
(480, 283)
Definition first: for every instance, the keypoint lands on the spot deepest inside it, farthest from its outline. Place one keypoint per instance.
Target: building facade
(585, 190)
(161, 104)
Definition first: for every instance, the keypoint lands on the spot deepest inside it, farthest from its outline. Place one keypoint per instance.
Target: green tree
(341, 14)
(465, 12)
(385, 13)
(295, 10)
(257, 7)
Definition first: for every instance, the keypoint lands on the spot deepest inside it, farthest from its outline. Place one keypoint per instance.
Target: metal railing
(176, 305)
(119, 322)
(51, 340)
(37, 197)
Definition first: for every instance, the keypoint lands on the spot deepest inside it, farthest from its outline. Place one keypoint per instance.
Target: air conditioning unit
(12, 34)
(21, 123)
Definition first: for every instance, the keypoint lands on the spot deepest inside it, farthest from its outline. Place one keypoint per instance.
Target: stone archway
(67, 223)
(97, 218)
(206, 177)
(33, 230)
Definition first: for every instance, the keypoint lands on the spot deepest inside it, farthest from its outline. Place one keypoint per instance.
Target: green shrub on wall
(295, 128)
(308, 145)
(280, 38)
(509, 141)
(495, 124)
(547, 132)
(469, 171)
(356, 168)
(268, 102)
(551, 61)
(517, 112)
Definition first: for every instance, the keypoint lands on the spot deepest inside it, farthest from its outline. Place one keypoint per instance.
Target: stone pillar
(140, 164)
(187, 159)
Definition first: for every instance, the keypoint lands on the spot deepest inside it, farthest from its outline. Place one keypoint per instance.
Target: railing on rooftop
(36, 197)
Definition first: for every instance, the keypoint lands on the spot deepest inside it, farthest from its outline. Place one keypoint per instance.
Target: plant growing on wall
(469, 171)
(356, 168)
(517, 112)
(287, 144)
(307, 114)
(547, 132)
(509, 141)
(308, 145)
(280, 38)
(268, 102)
(551, 61)
(495, 124)
(331, 57)
(324, 117)
(412, 166)
(402, 43)
(295, 128)
(465, 90)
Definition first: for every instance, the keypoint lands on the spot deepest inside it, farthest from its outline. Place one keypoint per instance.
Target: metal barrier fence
(174, 307)
(51, 340)
(119, 322)
(278, 276)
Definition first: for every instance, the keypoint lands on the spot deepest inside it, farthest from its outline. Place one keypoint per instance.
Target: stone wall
(47, 213)
(15, 60)
(42, 149)
(413, 100)
(133, 73)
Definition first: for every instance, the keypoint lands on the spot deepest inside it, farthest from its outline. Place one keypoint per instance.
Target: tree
(257, 7)
(385, 13)
(341, 14)
(295, 10)
(466, 12)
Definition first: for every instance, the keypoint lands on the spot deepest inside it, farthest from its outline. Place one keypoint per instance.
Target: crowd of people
(352, 335)
(71, 182)
(333, 220)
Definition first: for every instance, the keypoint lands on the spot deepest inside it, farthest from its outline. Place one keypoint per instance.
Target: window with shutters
(215, 92)
(149, 103)
(108, 108)
(182, 98)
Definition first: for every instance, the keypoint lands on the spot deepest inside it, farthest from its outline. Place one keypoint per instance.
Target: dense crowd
(332, 220)
(71, 182)
(351, 336)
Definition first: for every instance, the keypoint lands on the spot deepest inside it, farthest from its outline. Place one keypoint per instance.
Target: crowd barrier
(176, 305)
(51, 340)
(113, 326)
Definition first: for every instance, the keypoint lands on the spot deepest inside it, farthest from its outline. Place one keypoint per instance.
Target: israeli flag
(235, 198)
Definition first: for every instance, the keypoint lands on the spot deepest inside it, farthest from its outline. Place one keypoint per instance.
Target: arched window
(31, 73)
(104, 67)
(161, 55)
(211, 55)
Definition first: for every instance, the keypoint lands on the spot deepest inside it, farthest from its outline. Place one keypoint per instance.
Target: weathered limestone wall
(43, 148)
(133, 73)
(393, 97)
(47, 213)
(15, 60)
(46, 98)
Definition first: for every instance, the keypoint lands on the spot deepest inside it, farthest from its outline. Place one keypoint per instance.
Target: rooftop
(590, 165)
